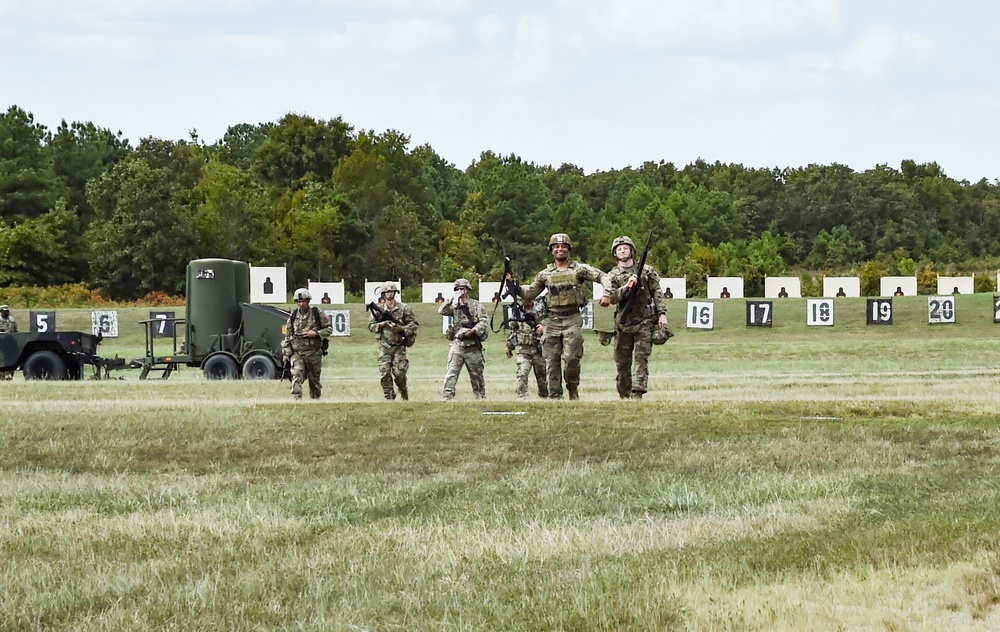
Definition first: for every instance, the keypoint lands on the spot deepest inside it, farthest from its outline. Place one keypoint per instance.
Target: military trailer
(222, 333)
(56, 355)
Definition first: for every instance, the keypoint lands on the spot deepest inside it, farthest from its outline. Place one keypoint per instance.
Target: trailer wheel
(221, 367)
(44, 365)
(259, 366)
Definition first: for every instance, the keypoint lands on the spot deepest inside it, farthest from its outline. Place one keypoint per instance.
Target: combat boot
(637, 395)
(404, 394)
(390, 395)
(573, 393)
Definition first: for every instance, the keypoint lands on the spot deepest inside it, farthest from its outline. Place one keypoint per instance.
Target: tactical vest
(564, 291)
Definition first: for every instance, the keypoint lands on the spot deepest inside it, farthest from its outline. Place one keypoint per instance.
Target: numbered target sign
(879, 311)
(996, 309)
(446, 322)
(162, 325)
(700, 315)
(41, 322)
(341, 321)
(940, 309)
(587, 312)
(819, 312)
(759, 313)
(104, 323)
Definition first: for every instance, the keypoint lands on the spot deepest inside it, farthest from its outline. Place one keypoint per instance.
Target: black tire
(44, 365)
(259, 366)
(221, 367)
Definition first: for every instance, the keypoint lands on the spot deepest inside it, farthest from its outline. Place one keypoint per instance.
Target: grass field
(794, 478)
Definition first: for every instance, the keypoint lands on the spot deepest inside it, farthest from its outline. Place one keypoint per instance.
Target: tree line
(80, 204)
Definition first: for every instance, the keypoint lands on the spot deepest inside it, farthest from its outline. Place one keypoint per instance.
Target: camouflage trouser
(307, 365)
(392, 366)
(526, 363)
(471, 357)
(633, 342)
(562, 348)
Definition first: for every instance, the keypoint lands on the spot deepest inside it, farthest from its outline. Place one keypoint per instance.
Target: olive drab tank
(215, 290)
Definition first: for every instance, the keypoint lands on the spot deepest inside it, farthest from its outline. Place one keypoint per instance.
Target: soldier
(562, 345)
(395, 329)
(7, 326)
(646, 319)
(303, 346)
(525, 337)
(468, 331)
(7, 323)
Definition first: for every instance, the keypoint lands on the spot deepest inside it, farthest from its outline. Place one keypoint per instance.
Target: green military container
(224, 334)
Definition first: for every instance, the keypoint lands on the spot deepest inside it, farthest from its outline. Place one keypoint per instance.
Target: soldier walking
(562, 345)
(468, 331)
(395, 329)
(303, 344)
(645, 323)
(525, 338)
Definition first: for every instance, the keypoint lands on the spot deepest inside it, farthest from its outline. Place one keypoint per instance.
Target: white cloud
(532, 46)
(395, 37)
(879, 47)
(489, 29)
(674, 23)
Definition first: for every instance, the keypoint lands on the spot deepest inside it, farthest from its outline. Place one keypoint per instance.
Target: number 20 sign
(940, 309)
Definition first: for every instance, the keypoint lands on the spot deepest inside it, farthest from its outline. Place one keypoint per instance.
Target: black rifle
(385, 316)
(629, 298)
(286, 370)
(508, 287)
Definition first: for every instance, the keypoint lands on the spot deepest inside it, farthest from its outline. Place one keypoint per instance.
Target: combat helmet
(661, 335)
(460, 283)
(624, 239)
(388, 287)
(302, 294)
(560, 238)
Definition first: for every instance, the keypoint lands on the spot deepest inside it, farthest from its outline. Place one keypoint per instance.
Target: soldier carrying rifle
(469, 329)
(525, 337)
(640, 316)
(395, 328)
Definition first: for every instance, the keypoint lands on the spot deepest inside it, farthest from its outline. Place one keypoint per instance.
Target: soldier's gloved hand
(605, 301)
(462, 332)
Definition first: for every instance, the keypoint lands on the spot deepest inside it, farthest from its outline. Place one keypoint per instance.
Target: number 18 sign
(819, 312)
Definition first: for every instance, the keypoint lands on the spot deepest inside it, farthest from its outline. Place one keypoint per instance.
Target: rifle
(508, 287)
(633, 290)
(385, 316)
(286, 370)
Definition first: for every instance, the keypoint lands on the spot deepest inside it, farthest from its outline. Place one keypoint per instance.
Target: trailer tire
(259, 366)
(221, 367)
(44, 365)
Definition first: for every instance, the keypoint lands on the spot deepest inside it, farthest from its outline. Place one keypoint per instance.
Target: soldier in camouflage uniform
(562, 345)
(7, 326)
(525, 338)
(469, 330)
(634, 337)
(303, 344)
(393, 338)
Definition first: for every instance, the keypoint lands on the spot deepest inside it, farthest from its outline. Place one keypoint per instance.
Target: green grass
(791, 479)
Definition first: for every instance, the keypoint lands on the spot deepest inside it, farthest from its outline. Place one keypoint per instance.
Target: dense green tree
(80, 152)
(146, 228)
(300, 149)
(34, 252)
(240, 144)
(29, 186)
(235, 218)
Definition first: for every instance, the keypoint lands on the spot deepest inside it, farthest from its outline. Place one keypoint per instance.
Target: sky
(600, 84)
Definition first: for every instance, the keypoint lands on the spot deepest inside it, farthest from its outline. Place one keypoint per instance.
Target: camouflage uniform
(562, 343)
(306, 353)
(392, 361)
(466, 352)
(7, 326)
(526, 341)
(634, 338)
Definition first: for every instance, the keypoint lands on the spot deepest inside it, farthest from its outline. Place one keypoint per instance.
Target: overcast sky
(602, 84)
